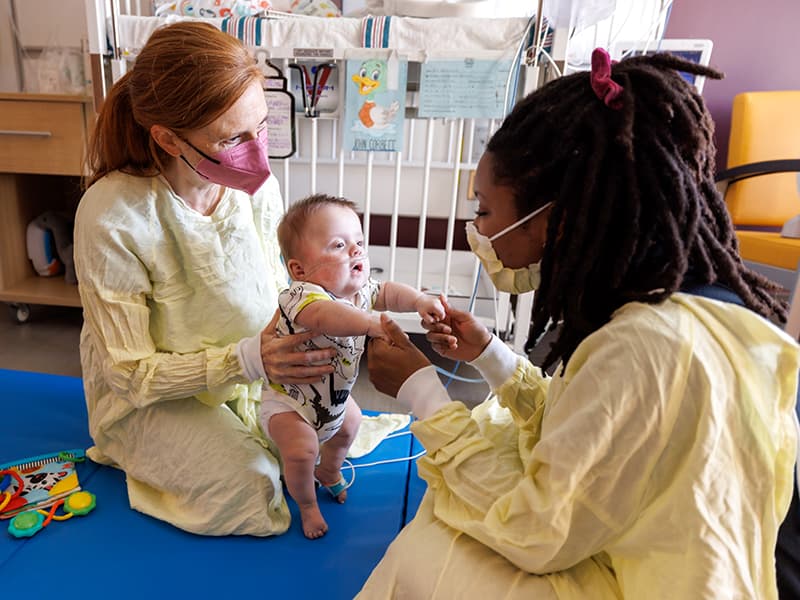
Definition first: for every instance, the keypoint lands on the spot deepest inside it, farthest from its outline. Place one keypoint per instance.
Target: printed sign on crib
(375, 104)
(463, 88)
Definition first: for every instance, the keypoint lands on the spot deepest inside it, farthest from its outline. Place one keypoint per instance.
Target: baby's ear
(296, 270)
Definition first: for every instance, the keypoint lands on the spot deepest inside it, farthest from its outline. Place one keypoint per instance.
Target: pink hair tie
(608, 90)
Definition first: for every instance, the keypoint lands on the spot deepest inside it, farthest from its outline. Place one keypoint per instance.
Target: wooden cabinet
(42, 147)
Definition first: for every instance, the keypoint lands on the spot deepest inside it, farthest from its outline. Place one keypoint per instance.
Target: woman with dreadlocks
(657, 462)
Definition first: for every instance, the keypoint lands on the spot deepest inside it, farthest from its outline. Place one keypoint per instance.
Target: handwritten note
(463, 88)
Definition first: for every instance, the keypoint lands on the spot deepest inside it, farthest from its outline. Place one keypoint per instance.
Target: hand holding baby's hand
(430, 308)
(459, 336)
(375, 328)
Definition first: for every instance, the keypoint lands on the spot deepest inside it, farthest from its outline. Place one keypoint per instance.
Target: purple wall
(756, 45)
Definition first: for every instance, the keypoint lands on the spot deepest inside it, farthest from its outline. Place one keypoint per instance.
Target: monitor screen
(696, 51)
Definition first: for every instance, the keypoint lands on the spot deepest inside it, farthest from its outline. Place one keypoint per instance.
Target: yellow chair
(761, 186)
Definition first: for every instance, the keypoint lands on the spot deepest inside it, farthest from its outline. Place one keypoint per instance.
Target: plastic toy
(50, 247)
(28, 523)
(6, 497)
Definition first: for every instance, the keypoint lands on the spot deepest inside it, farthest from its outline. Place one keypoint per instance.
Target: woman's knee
(212, 476)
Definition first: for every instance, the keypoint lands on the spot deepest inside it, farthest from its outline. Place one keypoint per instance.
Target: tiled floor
(48, 343)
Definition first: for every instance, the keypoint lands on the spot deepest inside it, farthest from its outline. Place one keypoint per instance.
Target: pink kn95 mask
(244, 167)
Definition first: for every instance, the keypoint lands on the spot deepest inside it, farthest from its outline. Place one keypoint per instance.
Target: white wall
(9, 75)
(40, 25)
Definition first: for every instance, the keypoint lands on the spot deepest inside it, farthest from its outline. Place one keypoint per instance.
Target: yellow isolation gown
(167, 294)
(658, 465)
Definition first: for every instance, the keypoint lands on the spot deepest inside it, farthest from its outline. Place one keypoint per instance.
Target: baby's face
(332, 251)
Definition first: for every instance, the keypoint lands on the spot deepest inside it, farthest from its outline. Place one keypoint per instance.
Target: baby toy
(49, 245)
(27, 523)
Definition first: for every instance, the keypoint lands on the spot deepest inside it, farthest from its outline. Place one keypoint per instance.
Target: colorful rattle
(29, 522)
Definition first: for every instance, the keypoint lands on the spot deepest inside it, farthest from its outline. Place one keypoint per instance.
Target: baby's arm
(338, 319)
(399, 297)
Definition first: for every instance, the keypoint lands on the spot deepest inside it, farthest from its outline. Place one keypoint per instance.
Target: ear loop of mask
(200, 152)
(516, 224)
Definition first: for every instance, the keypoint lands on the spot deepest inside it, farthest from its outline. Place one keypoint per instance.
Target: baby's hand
(375, 327)
(430, 308)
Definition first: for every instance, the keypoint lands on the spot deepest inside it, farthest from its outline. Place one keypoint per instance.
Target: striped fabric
(547, 46)
(375, 32)
(247, 29)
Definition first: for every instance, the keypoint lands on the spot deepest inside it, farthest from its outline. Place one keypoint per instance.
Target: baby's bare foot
(314, 526)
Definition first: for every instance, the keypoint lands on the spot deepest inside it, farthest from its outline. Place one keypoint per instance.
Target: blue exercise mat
(117, 552)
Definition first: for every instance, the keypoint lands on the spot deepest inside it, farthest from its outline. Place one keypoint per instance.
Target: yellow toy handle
(54, 516)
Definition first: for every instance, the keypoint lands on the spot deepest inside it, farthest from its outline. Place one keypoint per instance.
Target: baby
(314, 424)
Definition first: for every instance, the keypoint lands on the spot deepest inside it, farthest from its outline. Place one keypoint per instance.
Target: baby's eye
(339, 244)
(361, 243)
(481, 213)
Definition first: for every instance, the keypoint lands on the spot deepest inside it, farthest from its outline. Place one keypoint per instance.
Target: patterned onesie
(320, 404)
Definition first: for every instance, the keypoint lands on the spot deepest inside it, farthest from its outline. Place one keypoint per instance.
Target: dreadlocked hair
(636, 213)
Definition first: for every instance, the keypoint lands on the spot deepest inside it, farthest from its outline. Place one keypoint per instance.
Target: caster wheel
(20, 312)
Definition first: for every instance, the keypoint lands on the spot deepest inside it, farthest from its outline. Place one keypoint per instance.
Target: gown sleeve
(114, 285)
(562, 472)
(119, 239)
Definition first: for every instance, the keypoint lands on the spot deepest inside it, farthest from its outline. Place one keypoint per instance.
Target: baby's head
(322, 242)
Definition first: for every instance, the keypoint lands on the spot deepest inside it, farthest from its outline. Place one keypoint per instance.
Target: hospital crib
(414, 202)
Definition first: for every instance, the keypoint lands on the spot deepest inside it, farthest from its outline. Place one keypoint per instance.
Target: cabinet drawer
(42, 137)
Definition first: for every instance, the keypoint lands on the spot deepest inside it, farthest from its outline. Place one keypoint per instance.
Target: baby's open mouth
(359, 266)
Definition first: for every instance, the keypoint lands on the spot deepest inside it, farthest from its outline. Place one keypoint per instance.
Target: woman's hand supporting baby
(284, 363)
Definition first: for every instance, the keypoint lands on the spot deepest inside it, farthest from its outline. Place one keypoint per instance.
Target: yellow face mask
(513, 281)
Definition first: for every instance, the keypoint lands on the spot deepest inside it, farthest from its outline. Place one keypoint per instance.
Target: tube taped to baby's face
(360, 259)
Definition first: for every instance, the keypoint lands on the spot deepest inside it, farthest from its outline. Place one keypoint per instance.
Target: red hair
(186, 76)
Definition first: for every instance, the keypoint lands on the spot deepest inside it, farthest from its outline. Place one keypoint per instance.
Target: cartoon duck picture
(370, 79)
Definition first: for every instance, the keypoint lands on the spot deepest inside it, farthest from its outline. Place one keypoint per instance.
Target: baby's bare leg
(299, 446)
(333, 451)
